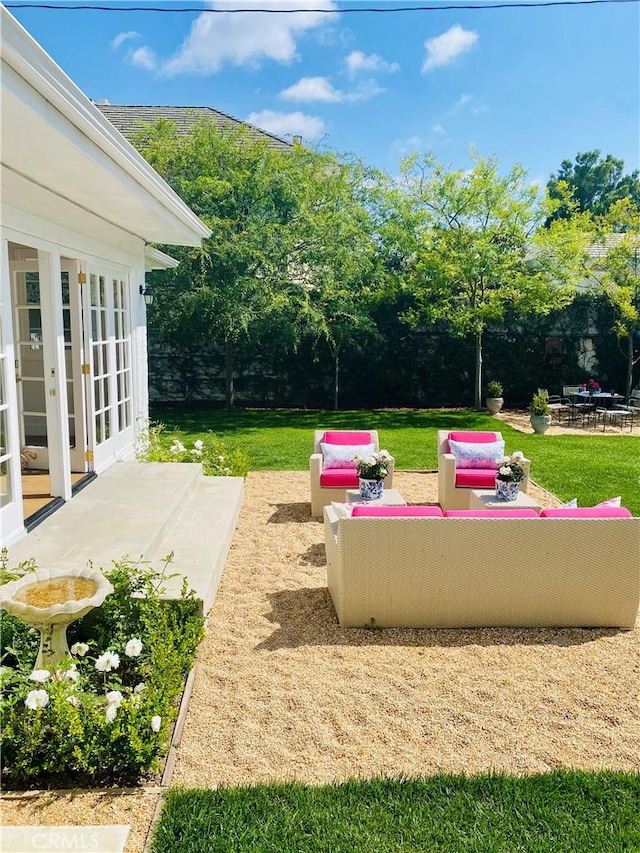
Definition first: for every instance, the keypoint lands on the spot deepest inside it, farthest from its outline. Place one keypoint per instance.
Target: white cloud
(312, 89)
(468, 104)
(144, 57)
(357, 62)
(438, 128)
(288, 124)
(445, 48)
(122, 37)
(245, 39)
(402, 147)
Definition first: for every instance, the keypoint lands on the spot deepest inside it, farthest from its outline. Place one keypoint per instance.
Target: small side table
(486, 499)
(390, 497)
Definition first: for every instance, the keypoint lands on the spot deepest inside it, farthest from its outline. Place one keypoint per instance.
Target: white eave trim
(154, 259)
(20, 50)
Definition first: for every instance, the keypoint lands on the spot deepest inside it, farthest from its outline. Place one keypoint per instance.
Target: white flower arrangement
(510, 470)
(373, 467)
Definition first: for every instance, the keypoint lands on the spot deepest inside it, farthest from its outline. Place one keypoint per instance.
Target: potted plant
(510, 475)
(494, 397)
(372, 470)
(540, 413)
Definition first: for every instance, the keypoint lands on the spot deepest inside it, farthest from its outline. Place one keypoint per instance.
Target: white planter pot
(494, 404)
(371, 490)
(540, 423)
(507, 491)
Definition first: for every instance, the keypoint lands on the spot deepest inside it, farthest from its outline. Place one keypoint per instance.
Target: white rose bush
(217, 460)
(105, 714)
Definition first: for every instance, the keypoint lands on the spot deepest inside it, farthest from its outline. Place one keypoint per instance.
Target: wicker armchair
(454, 484)
(331, 484)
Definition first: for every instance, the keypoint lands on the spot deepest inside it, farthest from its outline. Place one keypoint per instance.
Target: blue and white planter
(506, 491)
(371, 490)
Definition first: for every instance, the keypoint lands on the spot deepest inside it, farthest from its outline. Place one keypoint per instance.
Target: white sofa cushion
(471, 454)
(341, 455)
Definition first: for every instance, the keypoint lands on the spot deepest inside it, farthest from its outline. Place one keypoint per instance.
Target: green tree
(287, 228)
(594, 183)
(478, 248)
(618, 274)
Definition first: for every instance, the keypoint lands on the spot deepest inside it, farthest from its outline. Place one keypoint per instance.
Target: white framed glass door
(29, 362)
(8, 454)
(108, 341)
(11, 511)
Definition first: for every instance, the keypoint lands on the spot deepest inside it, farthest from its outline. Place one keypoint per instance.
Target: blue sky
(532, 86)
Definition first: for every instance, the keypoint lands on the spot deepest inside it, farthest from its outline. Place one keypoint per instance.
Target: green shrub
(539, 405)
(218, 460)
(103, 717)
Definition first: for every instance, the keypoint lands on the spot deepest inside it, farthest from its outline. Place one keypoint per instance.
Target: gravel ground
(282, 692)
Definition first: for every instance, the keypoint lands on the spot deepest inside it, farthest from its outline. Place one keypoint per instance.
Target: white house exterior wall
(78, 202)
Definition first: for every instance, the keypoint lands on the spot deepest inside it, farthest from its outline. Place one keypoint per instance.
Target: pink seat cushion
(476, 478)
(491, 513)
(480, 437)
(396, 511)
(347, 437)
(587, 512)
(339, 478)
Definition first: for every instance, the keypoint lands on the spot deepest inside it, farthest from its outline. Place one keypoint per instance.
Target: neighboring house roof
(131, 119)
(61, 155)
(597, 251)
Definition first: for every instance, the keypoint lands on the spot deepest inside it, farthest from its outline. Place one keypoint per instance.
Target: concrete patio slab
(144, 511)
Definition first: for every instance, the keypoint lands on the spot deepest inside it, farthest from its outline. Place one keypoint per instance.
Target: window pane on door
(5, 484)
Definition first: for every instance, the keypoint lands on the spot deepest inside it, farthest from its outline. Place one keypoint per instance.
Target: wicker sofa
(471, 571)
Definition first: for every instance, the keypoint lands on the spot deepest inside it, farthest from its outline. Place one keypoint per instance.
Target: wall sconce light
(147, 293)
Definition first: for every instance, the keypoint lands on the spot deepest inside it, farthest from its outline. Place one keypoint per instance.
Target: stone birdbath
(49, 600)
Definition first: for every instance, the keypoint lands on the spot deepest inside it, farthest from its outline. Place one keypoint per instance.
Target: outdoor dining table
(603, 399)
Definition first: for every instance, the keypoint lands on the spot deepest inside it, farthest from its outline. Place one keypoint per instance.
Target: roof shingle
(131, 119)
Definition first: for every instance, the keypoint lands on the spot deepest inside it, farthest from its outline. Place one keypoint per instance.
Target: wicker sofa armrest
(446, 478)
(315, 465)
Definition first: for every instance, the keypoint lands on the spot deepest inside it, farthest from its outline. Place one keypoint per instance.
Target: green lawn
(591, 468)
(560, 812)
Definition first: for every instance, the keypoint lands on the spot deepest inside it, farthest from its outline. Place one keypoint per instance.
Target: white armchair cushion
(341, 455)
(470, 454)
(342, 510)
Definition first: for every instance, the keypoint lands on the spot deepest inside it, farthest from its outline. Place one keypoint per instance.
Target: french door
(97, 364)
(107, 334)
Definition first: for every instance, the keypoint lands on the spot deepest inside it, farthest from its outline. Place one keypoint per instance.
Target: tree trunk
(629, 387)
(229, 387)
(336, 380)
(477, 397)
